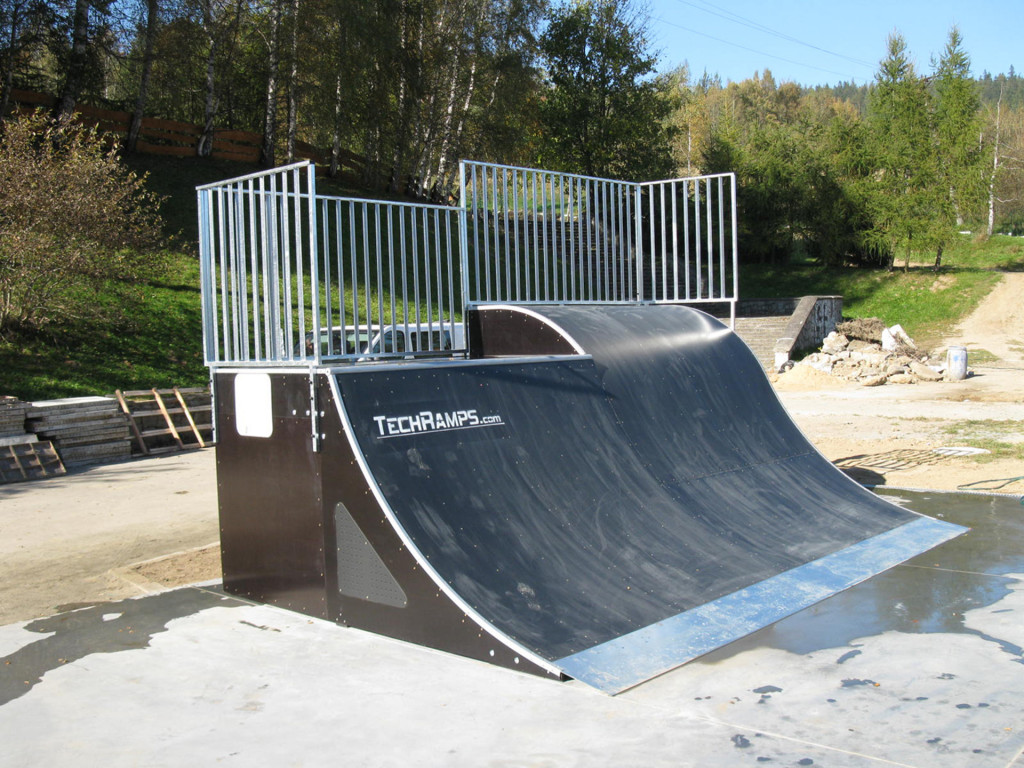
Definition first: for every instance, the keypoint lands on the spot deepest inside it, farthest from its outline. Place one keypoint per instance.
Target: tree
(76, 227)
(957, 127)
(905, 194)
(149, 39)
(602, 114)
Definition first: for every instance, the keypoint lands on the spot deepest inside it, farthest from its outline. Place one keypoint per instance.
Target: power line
(737, 19)
(752, 50)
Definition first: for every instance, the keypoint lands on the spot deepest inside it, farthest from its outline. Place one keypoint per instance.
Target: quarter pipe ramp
(599, 492)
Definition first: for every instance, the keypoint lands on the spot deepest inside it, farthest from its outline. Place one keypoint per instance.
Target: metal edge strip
(423, 562)
(634, 658)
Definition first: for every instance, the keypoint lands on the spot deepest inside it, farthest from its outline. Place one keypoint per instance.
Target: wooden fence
(175, 138)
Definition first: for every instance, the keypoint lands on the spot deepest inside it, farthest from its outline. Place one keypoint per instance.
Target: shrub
(77, 228)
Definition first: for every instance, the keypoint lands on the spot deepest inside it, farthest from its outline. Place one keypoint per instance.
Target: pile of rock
(891, 357)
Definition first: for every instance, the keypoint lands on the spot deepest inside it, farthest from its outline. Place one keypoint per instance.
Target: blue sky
(815, 42)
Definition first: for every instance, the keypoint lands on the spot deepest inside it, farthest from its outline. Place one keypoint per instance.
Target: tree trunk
(8, 68)
(995, 169)
(336, 131)
(270, 112)
(77, 63)
(152, 19)
(205, 145)
(293, 80)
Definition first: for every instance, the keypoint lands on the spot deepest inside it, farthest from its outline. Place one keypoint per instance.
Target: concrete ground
(920, 666)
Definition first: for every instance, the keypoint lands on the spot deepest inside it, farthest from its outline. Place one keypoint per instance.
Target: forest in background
(847, 174)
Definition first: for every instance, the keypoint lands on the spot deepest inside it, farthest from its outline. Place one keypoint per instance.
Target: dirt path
(997, 325)
(888, 435)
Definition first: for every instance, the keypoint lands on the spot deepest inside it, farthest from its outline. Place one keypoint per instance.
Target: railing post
(463, 240)
(314, 264)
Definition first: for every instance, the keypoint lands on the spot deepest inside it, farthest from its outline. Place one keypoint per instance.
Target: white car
(417, 338)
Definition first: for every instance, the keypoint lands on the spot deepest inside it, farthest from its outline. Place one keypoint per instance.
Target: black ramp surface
(620, 513)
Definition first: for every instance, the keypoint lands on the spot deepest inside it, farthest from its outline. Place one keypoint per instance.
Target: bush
(77, 228)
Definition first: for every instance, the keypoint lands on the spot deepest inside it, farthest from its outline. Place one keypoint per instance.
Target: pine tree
(903, 192)
(957, 127)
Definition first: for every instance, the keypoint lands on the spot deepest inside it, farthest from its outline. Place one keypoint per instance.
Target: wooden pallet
(29, 461)
(156, 414)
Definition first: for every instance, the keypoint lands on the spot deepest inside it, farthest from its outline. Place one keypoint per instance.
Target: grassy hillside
(160, 343)
(926, 302)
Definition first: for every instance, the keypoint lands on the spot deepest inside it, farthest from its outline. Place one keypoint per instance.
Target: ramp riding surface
(622, 510)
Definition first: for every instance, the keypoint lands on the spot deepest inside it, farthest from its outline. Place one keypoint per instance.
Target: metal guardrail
(293, 278)
(545, 237)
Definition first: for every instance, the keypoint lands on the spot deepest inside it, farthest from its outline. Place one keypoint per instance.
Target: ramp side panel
(268, 489)
(384, 588)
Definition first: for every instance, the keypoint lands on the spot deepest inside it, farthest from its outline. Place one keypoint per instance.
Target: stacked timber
(22, 455)
(85, 430)
(12, 417)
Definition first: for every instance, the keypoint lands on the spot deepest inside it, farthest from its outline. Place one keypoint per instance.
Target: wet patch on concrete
(86, 629)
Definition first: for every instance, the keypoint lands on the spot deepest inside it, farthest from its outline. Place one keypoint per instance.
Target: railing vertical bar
(515, 217)
(388, 256)
(488, 213)
(711, 247)
(225, 318)
(638, 240)
(627, 240)
(721, 236)
(451, 276)
(424, 302)
(569, 255)
(602, 238)
(353, 257)
(254, 271)
(268, 273)
(314, 257)
(293, 262)
(463, 219)
(735, 252)
(673, 194)
(476, 238)
(237, 316)
(506, 295)
(243, 276)
(614, 213)
(439, 276)
(534, 294)
(545, 275)
(324, 259)
(376, 258)
(625, 283)
(653, 244)
(698, 255)
(686, 238)
(558, 230)
(592, 223)
(663, 243)
(211, 349)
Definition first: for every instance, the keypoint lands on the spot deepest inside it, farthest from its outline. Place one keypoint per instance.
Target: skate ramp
(618, 498)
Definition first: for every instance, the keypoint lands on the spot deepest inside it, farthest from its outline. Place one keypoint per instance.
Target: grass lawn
(159, 344)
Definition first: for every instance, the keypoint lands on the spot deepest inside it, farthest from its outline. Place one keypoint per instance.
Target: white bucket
(956, 363)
